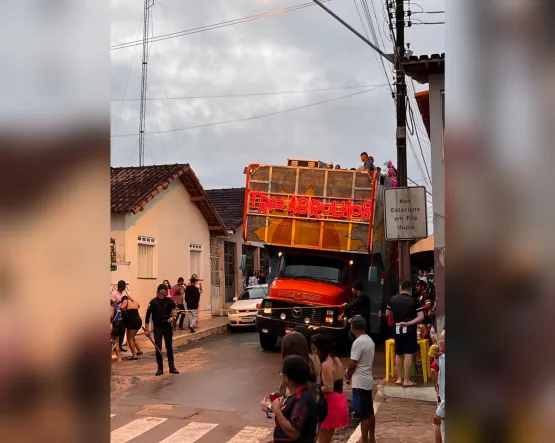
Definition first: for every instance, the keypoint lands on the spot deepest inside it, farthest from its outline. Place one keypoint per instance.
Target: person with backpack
(116, 326)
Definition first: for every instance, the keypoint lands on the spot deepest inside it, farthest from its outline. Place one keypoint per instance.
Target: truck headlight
(267, 308)
(329, 319)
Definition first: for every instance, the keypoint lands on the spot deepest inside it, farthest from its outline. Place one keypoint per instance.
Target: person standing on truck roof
(367, 163)
(360, 305)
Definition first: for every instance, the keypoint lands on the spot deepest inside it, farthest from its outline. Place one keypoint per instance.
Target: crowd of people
(311, 405)
(255, 278)
(388, 169)
(169, 309)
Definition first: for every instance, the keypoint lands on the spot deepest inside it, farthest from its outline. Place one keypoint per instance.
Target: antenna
(144, 76)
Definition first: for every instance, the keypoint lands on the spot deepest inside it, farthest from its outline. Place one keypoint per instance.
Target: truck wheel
(267, 342)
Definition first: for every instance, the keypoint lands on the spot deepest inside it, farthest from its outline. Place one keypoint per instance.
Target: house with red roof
(229, 203)
(164, 224)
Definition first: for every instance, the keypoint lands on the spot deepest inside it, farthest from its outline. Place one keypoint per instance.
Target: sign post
(406, 216)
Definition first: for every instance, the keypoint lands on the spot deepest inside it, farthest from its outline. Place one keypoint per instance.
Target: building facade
(431, 70)
(163, 224)
(229, 203)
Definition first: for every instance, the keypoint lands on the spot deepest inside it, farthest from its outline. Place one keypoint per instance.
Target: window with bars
(195, 254)
(215, 261)
(146, 260)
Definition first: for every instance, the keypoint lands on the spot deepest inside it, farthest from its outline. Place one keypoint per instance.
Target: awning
(424, 245)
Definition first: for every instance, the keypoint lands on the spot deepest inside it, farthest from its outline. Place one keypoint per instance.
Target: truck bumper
(279, 328)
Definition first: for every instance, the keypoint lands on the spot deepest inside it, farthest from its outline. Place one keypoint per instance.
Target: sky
(302, 50)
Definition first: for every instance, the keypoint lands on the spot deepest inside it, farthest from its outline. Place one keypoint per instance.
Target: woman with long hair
(331, 388)
(294, 343)
(132, 322)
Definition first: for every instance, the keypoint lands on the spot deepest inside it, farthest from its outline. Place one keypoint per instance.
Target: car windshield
(253, 293)
(313, 268)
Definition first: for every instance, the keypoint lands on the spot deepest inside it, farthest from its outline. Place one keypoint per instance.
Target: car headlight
(232, 311)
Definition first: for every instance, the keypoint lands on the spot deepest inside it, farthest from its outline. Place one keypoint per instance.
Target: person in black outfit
(192, 299)
(360, 305)
(406, 315)
(162, 309)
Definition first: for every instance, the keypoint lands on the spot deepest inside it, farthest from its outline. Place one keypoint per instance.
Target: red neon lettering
(355, 211)
(367, 207)
(292, 205)
(327, 208)
(253, 196)
(302, 206)
(315, 208)
(265, 204)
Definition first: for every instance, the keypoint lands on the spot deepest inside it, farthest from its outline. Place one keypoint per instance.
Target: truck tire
(267, 342)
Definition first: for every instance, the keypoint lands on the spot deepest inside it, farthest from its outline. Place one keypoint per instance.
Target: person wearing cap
(359, 375)
(360, 305)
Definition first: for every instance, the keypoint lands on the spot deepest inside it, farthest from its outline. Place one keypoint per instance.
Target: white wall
(175, 222)
(437, 84)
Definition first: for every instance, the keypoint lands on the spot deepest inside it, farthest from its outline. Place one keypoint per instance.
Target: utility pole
(144, 77)
(401, 136)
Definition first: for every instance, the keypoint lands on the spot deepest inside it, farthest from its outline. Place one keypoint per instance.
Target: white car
(243, 312)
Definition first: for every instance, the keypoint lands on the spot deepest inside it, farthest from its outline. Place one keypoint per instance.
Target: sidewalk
(401, 420)
(208, 327)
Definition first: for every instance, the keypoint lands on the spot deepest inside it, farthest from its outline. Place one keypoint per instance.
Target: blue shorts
(363, 405)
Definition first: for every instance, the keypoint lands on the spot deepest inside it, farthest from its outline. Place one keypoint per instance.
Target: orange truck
(319, 227)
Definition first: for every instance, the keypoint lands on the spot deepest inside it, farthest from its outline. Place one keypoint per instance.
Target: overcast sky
(294, 51)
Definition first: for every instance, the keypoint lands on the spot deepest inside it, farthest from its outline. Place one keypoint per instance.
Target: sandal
(133, 357)
(140, 353)
(411, 385)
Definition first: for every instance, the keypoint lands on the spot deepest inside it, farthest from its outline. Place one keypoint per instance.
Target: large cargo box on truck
(313, 208)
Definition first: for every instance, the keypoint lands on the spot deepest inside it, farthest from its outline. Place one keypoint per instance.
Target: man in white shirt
(359, 374)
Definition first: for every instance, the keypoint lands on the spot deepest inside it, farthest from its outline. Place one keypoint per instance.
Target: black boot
(160, 371)
(172, 369)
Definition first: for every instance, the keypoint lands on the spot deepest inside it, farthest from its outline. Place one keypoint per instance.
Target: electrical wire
(128, 77)
(216, 25)
(257, 116)
(256, 94)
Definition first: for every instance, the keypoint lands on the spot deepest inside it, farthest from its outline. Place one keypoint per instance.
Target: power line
(128, 77)
(215, 25)
(255, 94)
(257, 116)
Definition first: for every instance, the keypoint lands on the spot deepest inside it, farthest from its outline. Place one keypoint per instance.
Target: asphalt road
(214, 399)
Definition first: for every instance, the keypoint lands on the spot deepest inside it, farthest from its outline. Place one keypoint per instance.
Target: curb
(185, 339)
(424, 393)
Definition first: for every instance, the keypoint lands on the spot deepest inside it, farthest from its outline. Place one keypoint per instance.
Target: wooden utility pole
(401, 136)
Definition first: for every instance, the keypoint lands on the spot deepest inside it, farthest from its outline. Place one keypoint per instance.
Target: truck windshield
(313, 268)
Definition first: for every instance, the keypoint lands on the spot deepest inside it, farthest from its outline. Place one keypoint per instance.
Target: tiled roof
(133, 187)
(230, 205)
(420, 68)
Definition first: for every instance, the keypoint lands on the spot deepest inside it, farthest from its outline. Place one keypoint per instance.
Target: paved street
(214, 399)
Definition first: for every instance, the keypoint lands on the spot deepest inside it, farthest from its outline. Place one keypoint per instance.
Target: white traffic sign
(405, 213)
